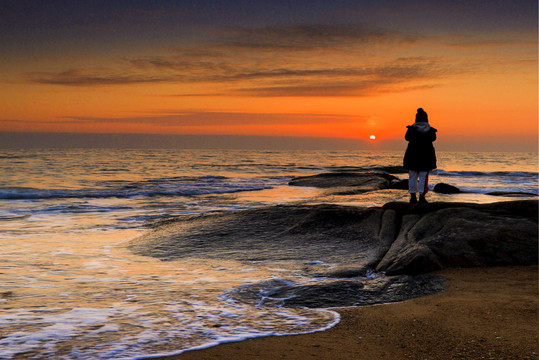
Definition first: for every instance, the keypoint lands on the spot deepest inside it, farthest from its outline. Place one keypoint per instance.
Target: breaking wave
(176, 186)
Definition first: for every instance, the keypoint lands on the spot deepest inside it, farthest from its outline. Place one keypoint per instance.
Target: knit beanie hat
(421, 116)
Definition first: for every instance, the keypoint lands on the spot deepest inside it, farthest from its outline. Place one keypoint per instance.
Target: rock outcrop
(400, 185)
(350, 183)
(327, 233)
(347, 183)
(339, 292)
(397, 238)
(438, 235)
(444, 188)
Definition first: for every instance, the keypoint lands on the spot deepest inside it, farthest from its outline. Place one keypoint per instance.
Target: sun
(372, 137)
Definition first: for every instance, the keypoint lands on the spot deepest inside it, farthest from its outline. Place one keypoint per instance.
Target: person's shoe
(422, 199)
(413, 199)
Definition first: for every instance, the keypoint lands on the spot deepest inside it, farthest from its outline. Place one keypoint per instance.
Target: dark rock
(443, 188)
(328, 233)
(471, 236)
(339, 293)
(361, 182)
(398, 239)
(399, 185)
(345, 272)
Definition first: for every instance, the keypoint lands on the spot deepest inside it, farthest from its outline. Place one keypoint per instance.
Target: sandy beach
(486, 313)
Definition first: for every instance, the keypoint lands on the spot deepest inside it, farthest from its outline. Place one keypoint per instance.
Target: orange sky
(317, 75)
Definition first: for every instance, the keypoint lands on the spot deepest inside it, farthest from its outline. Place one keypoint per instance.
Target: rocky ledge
(397, 238)
(366, 181)
(351, 183)
(440, 235)
(399, 241)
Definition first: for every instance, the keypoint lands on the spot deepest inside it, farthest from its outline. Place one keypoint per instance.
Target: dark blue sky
(24, 24)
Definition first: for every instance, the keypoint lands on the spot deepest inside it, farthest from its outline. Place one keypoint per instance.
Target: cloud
(346, 89)
(312, 90)
(202, 118)
(92, 77)
(302, 37)
(521, 39)
(401, 75)
(325, 66)
(250, 80)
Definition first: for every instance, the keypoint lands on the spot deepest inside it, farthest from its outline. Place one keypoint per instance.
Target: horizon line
(63, 140)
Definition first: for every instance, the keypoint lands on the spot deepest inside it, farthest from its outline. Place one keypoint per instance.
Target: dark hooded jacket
(420, 154)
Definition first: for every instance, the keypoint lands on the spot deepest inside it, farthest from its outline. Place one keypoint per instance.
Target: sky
(309, 69)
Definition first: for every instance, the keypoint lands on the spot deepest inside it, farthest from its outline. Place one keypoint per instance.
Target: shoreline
(485, 313)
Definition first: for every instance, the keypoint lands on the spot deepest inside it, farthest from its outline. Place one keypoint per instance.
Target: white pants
(417, 181)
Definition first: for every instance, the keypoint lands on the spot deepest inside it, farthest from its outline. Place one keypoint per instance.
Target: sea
(71, 289)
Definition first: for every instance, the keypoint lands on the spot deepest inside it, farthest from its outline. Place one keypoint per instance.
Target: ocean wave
(487, 182)
(177, 186)
(506, 174)
(83, 208)
(13, 217)
(23, 156)
(114, 170)
(36, 194)
(447, 173)
(371, 168)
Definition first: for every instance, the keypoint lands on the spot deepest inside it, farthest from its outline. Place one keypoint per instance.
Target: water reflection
(93, 297)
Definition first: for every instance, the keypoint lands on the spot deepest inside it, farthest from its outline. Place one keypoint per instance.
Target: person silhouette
(420, 156)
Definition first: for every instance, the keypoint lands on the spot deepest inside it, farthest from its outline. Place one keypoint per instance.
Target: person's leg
(412, 185)
(422, 185)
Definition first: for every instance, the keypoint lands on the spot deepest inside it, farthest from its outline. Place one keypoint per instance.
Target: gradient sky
(294, 68)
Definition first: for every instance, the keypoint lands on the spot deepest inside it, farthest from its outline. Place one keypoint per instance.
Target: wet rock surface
(396, 239)
(355, 183)
(440, 235)
(352, 183)
(444, 188)
(339, 293)
(400, 185)
(327, 233)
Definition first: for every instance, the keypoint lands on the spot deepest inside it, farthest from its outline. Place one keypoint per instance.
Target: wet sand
(486, 313)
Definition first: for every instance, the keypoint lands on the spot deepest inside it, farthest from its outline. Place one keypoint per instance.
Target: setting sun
(372, 137)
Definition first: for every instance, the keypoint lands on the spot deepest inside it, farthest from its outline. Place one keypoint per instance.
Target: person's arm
(409, 134)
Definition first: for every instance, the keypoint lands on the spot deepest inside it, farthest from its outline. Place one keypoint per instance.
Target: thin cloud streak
(231, 57)
(360, 79)
(308, 37)
(91, 77)
(365, 88)
(303, 63)
(203, 118)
